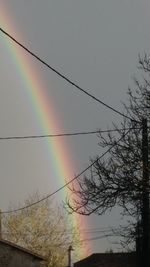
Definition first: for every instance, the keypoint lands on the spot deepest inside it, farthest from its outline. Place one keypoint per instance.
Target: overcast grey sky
(95, 43)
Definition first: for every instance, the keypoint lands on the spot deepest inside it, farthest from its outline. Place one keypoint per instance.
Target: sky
(94, 43)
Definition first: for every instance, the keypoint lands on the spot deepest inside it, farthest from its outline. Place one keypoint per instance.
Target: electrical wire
(63, 134)
(63, 76)
(66, 184)
(70, 243)
(86, 231)
(91, 239)
(97, 237)
(48, 135)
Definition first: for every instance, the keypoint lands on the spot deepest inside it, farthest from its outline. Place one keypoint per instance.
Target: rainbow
(45, 113)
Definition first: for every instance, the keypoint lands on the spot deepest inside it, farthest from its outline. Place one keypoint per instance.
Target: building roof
(108, 260)
(33, 254)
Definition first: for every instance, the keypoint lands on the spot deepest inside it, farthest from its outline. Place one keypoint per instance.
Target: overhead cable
(63, 134)
(66, 184)
(97, 237)
(72, 232)
(63, 76)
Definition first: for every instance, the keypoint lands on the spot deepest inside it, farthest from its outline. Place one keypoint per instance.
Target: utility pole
(69, 256)
(145, 199)
(138, 244)
(0, 224)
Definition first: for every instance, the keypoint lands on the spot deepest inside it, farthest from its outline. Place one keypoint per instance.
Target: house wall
(12, 257)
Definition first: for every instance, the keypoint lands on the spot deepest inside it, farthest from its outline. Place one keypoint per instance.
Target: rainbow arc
(43, 109)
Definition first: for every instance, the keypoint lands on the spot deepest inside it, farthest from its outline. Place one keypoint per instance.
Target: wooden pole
(0, 224)
(69, 256)
(145, 199)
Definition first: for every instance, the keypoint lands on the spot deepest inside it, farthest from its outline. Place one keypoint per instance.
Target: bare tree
(116, 180)
(43, 228)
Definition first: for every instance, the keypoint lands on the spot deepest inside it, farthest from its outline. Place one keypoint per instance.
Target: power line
(106, 228)
(85, 231)
(66, 184)
(97, 237)
(63, 134)
(63, 76)
(87, 239)
(68, 232)
(63, 244)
